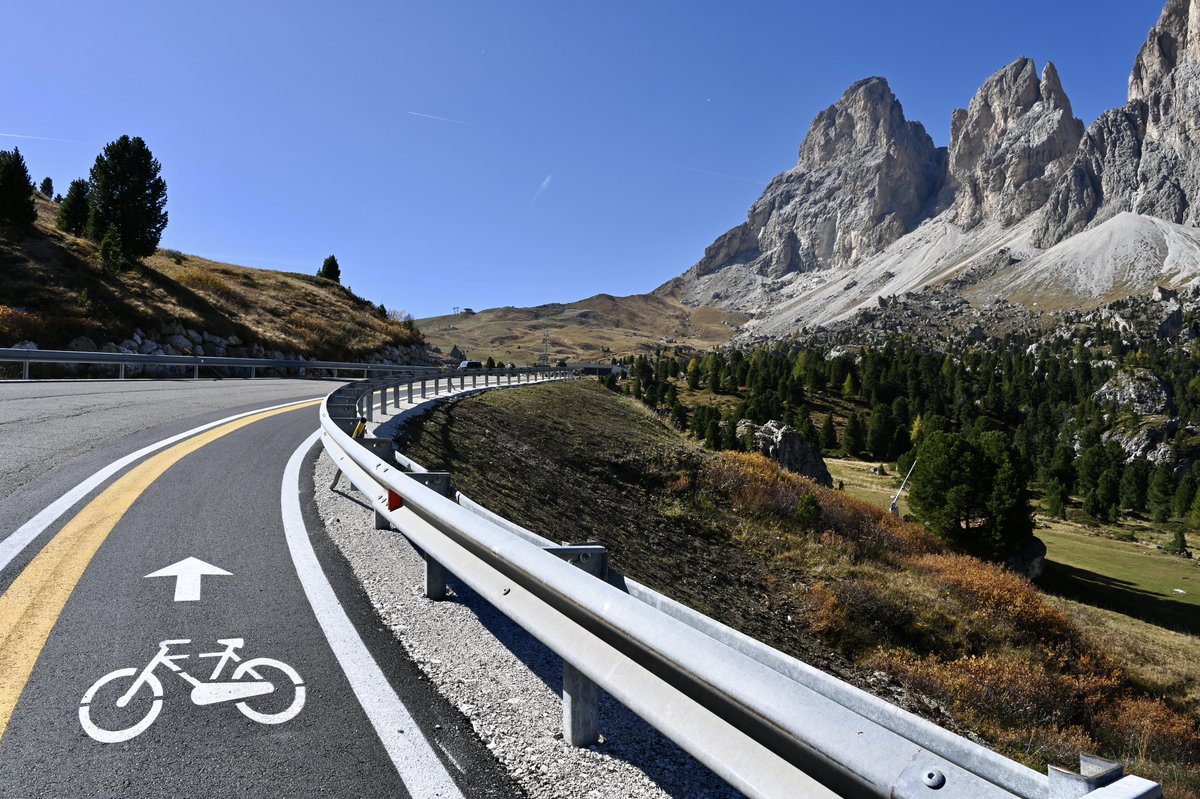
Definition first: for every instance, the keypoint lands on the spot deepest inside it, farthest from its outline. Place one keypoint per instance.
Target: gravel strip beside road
(502, 679)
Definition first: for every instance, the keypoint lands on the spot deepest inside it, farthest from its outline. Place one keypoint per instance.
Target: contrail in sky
(439, 119)
(720, 175)
(38, 138)
(541, 189)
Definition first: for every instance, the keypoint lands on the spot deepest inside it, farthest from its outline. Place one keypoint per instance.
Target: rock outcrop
(1145, 157)
(781, 443)
(1010, 146)
(1137, 391)
(865, 177)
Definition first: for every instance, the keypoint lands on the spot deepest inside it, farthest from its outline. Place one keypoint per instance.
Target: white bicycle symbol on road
(246, 682)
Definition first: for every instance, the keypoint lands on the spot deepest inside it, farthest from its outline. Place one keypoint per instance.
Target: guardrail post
(410, 385)
(382, 401)
(370, 399)
(25, 370)
(581, 708)
(196, 370)
(396, 395)
(435, 578)
(121, 371)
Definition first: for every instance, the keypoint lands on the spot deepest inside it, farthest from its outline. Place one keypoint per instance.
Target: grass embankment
(842, 585)
(53, 291)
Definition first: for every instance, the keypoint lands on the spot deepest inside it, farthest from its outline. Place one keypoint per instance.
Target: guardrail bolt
(934, 779)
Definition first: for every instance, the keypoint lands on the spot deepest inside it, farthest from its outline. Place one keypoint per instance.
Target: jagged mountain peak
(1175, 40)
(867, 117)
(1010, 145)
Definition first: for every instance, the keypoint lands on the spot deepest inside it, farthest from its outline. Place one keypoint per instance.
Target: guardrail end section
(1099, 778)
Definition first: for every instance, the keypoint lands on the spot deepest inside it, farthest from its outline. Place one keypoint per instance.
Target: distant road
(181, 625)
(46, 426)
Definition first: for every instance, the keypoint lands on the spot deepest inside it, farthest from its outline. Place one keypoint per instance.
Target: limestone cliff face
(1010, 146)
(865, 177)
(1145, 157)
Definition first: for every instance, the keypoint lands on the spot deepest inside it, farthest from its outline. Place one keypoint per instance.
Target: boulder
(782, 444)
(1030, 559)
(82, 344)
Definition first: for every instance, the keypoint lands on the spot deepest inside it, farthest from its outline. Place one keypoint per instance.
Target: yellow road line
(30, 607)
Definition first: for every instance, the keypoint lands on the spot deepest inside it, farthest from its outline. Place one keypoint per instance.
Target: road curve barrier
(766, 723)
(244, 367)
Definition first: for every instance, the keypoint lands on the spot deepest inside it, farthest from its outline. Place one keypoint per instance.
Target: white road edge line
(423, 774)
(21, 537)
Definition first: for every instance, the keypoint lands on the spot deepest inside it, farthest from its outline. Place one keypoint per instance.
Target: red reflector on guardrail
(395, 501)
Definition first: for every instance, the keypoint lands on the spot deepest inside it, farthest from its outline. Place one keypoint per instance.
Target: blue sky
(475, 153)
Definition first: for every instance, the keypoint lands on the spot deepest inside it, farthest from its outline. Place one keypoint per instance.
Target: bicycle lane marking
(31, 606)
(420, 769)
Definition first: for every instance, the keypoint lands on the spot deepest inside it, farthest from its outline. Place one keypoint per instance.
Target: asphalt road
(81, 623)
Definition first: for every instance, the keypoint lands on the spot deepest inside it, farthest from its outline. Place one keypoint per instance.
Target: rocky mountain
(1024, 206)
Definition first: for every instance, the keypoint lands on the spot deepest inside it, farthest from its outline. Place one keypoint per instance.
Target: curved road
(184, 627)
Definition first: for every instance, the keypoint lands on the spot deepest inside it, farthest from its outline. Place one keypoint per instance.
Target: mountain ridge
(1019, 185)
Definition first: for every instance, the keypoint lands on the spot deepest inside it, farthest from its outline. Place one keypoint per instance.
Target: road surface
(275, 678)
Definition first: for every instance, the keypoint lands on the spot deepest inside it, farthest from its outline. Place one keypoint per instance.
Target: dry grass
(52, 291)
(594, 329)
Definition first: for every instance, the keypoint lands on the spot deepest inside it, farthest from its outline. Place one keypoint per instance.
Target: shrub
(111, 254)
(1007, 596)
(1149, 730)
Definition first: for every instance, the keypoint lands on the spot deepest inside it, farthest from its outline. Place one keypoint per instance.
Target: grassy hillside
(828, 578)
(52, 291)
(597, 328)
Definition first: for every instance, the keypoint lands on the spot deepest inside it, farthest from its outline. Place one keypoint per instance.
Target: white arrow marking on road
(188, 573)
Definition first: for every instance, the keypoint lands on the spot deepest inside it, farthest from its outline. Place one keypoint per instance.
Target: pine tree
(854, 437)
(808, 431)
(128, 194)
(1161, 492)
(1135, 484)
(1056, 499)
(330, 270)
(1194, 514)
(828, 434)
(47, 187)
(679, 415)
(1178, 543)
(1185, 493)
(879, 433)
(111, 256)
(73, 211)
(16, 191)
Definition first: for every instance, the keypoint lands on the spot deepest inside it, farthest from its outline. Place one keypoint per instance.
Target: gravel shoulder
(504, 681)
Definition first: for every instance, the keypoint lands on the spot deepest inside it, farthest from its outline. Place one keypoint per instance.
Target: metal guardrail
(768, 724)
(251, 365)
